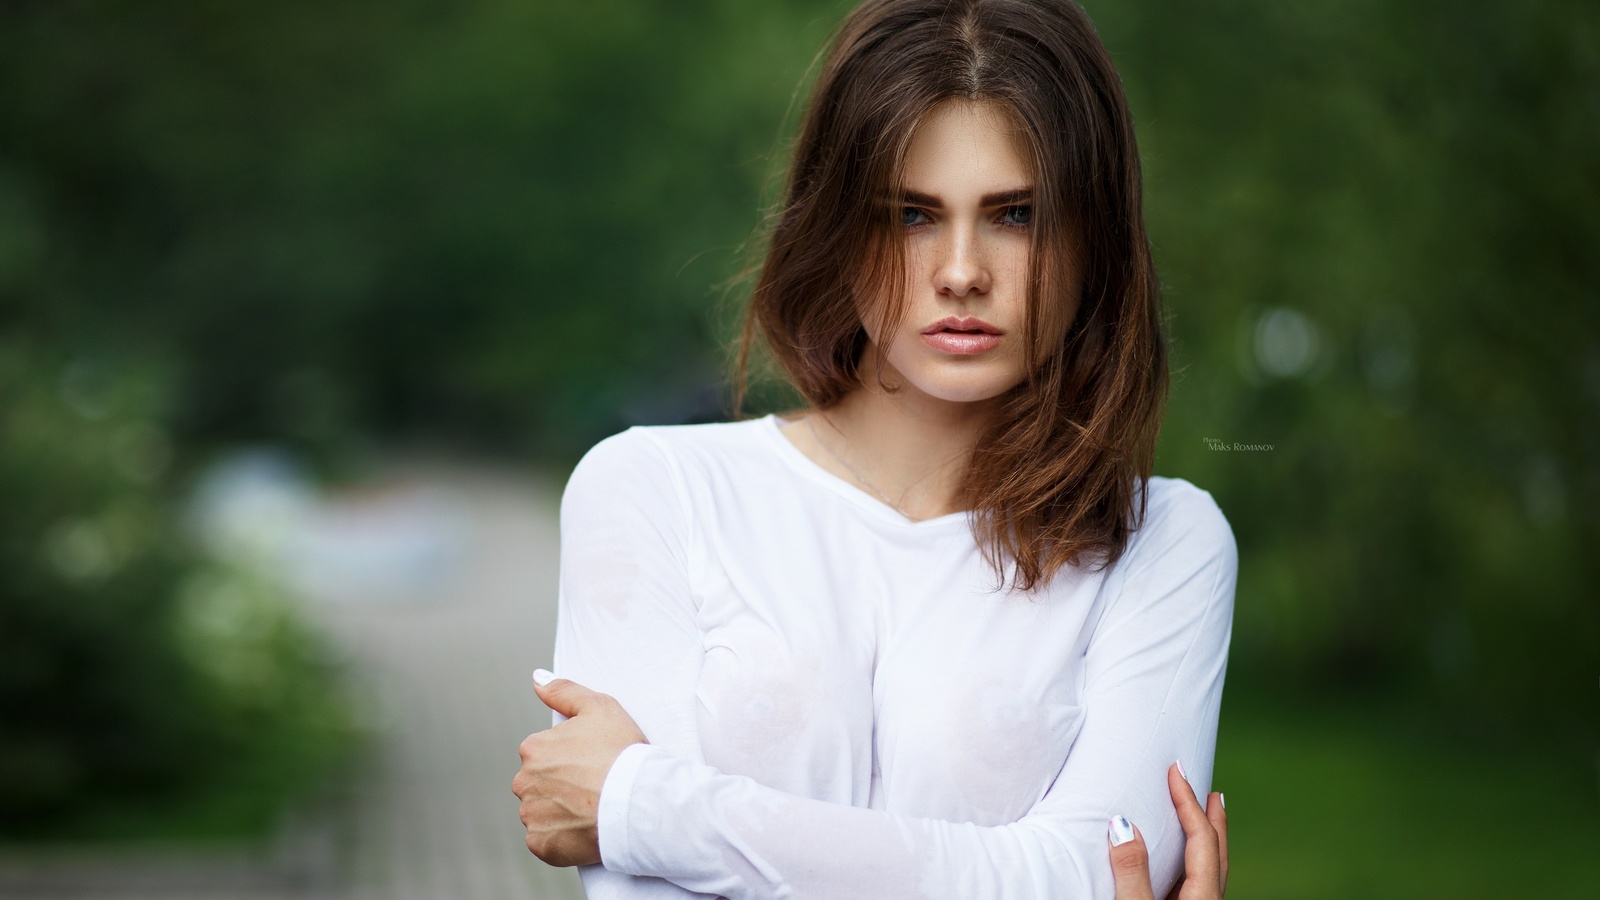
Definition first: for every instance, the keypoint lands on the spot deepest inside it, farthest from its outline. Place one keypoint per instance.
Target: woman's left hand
(564, 767)
(1205, 851)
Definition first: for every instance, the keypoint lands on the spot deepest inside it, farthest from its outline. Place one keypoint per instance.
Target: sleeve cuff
(611, 819)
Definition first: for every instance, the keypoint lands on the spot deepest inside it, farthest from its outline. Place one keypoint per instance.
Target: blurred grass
(1366, 799)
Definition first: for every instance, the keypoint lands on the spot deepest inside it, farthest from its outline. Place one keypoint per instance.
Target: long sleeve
(625, 622)
(1154, 671)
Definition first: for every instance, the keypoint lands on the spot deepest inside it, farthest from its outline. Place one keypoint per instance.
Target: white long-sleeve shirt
(838, 704)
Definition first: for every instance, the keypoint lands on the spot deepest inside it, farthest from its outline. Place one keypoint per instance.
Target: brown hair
(1055, 479)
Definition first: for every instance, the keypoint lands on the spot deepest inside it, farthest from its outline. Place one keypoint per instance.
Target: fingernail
(1181, 771)
(1223, 799)
(1121, 831)
(542, 677)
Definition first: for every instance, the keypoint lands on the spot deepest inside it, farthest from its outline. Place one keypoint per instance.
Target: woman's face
(967, 212)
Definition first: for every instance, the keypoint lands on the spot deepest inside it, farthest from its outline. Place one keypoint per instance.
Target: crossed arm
(667, 824)
(1205, 861)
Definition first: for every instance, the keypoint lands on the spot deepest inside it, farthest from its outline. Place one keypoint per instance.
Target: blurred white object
(258, 508)
(1287, 342)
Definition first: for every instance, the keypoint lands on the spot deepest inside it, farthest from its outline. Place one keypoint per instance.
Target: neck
(913, 447)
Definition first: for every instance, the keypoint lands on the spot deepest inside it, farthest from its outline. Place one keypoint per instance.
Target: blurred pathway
(445, 650)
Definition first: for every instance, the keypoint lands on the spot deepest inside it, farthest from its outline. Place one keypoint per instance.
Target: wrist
(612, 813)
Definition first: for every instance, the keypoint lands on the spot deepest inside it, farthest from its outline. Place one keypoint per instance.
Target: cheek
(1013, 268)
(1012, 260)
(917, 255)
(1020, 263)
(869, 311)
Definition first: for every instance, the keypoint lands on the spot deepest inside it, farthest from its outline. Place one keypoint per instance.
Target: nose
(962, 269)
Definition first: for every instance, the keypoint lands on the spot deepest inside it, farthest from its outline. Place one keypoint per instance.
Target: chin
(952, 380)
(959, 386)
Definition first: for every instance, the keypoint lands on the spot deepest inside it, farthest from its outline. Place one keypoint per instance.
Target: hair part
(1056, 479)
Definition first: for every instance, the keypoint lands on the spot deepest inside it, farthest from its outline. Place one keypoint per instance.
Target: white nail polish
(1121, 830)
(1181, 771)
(1223, 799)
(542, 677)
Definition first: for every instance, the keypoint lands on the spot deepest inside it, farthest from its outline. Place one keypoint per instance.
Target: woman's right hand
(1205, 851)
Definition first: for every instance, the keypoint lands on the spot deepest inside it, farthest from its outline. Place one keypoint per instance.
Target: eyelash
(1019, 226)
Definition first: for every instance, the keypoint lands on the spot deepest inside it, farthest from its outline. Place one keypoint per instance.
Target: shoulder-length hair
(1057, 478)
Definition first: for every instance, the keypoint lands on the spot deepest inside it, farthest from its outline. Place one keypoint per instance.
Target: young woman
(927, 635)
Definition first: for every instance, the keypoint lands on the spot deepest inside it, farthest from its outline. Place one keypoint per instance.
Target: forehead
(966, 147)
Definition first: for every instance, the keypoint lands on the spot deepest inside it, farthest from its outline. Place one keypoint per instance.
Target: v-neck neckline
(811, 469)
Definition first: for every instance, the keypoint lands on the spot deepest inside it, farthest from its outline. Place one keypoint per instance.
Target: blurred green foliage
(488, 219)
(1377, 223)
(503, 223)
(132, 671)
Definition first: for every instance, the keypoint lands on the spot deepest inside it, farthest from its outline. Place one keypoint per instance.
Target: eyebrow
(1002, 198)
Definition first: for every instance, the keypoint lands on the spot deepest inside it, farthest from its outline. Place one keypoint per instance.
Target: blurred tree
(1377, 226)
(490, 219)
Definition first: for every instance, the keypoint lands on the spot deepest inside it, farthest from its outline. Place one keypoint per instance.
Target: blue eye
(1017, 215)
(910, 215)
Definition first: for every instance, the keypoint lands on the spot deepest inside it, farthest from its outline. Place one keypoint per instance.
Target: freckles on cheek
(1018, 261)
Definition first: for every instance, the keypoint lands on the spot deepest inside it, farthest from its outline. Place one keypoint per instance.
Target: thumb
(1130, 862)
(566, 697)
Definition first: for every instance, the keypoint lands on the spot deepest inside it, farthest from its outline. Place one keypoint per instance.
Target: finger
(1200, 858)
(1192, 817)
(565, 697)
(1130, 862)
(1217, 813)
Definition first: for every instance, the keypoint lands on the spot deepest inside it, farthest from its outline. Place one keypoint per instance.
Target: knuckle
(550, 853)
(522, 785)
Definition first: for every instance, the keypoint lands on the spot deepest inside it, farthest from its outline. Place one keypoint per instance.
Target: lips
(962, 324)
